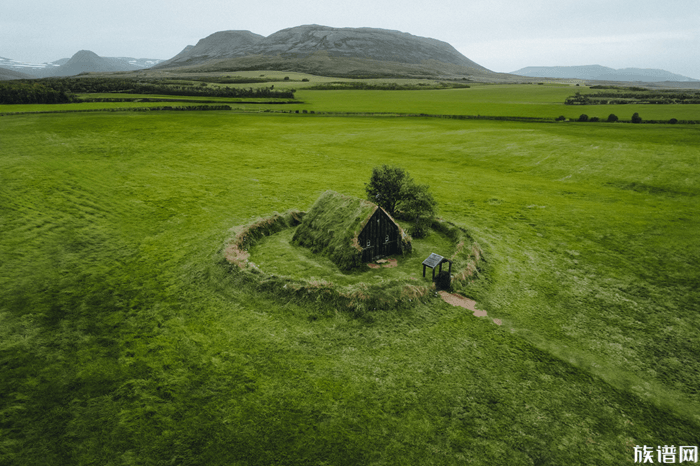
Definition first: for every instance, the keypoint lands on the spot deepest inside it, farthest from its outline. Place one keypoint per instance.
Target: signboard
(433, 260)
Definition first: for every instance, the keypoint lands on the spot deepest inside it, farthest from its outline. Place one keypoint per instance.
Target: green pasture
(494, 100)
(508, 100)
(513, 100)
(277, 78)
(126, 339)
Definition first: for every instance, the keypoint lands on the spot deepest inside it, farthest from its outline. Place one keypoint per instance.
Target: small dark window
(387, 239)
(368, 243)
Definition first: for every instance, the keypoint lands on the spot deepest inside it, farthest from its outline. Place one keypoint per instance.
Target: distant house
(350, 231)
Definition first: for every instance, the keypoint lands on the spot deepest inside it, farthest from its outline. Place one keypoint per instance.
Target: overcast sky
(502, 35)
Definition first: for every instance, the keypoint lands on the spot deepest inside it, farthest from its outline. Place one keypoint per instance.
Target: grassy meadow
(125, 339)
(491, 100)
(506, 100)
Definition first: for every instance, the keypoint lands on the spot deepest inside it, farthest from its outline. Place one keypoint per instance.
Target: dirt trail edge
(461, 301)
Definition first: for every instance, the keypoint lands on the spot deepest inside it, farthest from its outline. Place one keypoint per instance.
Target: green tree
(393, 189)
(636, 118)
(384, 187)
(612, 118)
(418, 206)
(583, 117)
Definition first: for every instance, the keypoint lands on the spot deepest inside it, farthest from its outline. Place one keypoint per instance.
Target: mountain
(86, 61)
(223, 44)
(6, 74)
(601, 73)
(82, 62)
(305, 48)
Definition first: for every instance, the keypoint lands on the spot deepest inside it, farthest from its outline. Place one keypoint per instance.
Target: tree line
(62, 90)
(14, 92)
(612, 98)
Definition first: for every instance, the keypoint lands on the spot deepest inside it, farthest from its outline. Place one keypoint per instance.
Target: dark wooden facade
(380, 237)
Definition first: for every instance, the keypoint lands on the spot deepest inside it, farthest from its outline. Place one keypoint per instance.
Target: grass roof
(332, 225)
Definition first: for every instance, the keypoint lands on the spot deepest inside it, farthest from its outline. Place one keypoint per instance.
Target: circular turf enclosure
(264, 255)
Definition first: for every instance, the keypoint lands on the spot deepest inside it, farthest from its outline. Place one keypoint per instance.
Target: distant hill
(325, 50)
(601, 73)
(84, 61)
(6, 74)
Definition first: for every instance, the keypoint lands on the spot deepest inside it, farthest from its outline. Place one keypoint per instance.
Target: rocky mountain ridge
(304, 42)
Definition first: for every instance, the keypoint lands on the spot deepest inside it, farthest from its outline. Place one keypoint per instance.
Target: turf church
(350, 231)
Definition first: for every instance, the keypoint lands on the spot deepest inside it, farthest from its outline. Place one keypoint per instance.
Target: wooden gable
(381, 236)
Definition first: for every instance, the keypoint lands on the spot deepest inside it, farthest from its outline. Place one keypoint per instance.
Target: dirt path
(388, 263)
(461, 301)
(392, 263)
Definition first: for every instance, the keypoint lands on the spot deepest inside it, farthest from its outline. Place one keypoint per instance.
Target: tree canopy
(418, 206)
(384, 187)
(393, 189)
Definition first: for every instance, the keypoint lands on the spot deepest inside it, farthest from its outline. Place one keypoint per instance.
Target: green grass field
(494, 100)
(486, 100)
(124, 339)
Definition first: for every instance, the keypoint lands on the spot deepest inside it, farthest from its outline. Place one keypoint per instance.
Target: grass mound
(245, 236)
(360, 291)
(467, 258)
(333, 225)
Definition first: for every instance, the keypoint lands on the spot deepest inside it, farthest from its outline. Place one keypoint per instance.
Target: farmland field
(493, 100)
(490, 100)
(126, 339)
